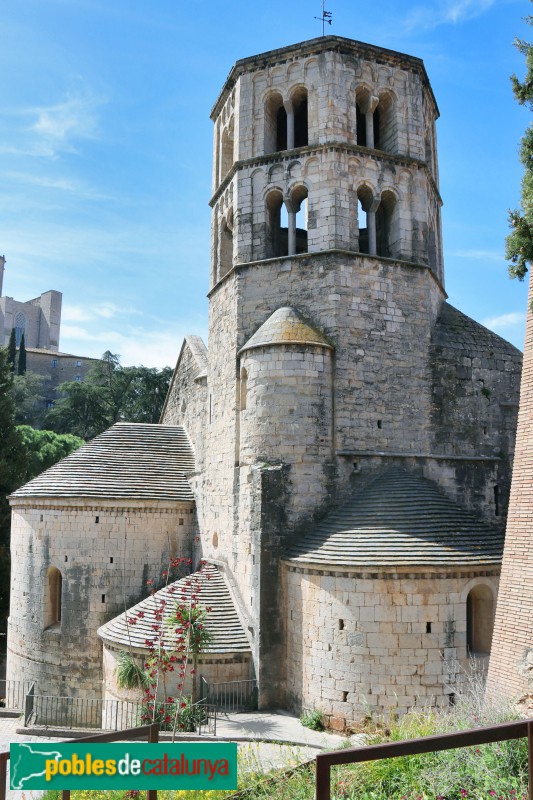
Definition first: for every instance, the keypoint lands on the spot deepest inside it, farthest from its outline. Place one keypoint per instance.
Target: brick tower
(511, 663)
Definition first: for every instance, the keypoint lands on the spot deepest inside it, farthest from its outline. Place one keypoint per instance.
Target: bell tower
(326, 280)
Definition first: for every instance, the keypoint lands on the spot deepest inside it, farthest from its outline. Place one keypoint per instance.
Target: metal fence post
(323, 780)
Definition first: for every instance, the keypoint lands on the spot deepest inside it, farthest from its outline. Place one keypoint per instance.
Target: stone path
(266, 741)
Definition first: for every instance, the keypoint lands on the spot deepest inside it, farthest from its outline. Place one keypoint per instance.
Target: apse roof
(221, 620)
(128, 461)
(286, 326)
(399, 520)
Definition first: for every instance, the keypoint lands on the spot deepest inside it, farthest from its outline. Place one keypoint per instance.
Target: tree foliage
(110, 393)
(519, 244)
(21, 366)
(29, 399)
(45, 448)
(12, 350)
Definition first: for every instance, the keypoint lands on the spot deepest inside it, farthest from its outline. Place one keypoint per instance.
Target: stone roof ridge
(287, 325)
(130, 460)
(399, 520)
(199, 351)
(457, 329)
(222, 619)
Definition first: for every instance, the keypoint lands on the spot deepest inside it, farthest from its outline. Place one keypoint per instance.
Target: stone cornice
(397, 159)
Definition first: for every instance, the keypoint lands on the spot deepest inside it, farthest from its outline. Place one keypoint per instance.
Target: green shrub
(313, 719)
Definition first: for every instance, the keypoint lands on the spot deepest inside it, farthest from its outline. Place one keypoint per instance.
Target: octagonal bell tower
(326, 280)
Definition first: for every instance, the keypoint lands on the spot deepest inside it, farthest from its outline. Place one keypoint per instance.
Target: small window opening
(110, 559)
(364, 204)
(42, 517)
(496, 501)
(344, 697)
(485, 430)
(451, 698)
(97, 520)
(103, 598)
(243, 389)
(341, 624)
(479, 620)
(361, 126)
(428, 627)
(277, 226)
(180, 521)
(275, 124)
(376, 121)
(379, 424)
(66, 558)
(300, 118)
(281, 129)
(54, 597)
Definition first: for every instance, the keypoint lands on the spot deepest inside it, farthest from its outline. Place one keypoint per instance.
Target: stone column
(368, 110)
(292, 232)
(290, 125)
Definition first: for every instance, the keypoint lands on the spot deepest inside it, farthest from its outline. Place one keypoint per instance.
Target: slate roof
(222, 620)
(129, 460)
(399, 520)
(456, 331)
(286, 326)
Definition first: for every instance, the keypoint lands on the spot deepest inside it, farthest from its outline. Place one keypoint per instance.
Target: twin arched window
(286, 124)
(286, 223)
(377, 229)
(375, 121)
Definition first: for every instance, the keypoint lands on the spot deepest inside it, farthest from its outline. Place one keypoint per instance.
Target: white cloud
(445, 12)
(479, 255)
(58, 126)
(508, 320)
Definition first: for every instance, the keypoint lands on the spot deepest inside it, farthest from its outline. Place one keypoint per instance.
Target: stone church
(340, 454)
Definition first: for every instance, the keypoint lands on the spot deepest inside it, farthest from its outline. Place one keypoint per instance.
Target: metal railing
(80, 712)
(230, 696)
(429, 744)
(12, 694)
(150, 732)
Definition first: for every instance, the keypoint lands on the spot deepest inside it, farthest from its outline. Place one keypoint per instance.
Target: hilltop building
(340, 454)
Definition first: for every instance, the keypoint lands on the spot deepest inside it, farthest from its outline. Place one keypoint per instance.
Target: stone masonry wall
(358, 644)
(105, 555)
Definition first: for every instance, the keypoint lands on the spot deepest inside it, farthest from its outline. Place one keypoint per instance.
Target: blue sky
(105, 152)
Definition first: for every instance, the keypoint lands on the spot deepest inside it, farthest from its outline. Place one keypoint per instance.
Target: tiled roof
(456, 331)
(399, 520)
(286, 326)
(222, 620)
(129, 460)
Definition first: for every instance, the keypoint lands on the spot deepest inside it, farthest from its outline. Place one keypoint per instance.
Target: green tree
(29, 399)
(21, 367)
(519, 244)
(12, 350)
(45, 448)
(110, 393)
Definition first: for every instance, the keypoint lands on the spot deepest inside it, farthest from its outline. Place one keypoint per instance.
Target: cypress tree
(12, 350)
(21, 369)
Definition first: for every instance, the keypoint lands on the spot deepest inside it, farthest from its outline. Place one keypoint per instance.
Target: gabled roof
(399, 520)
(286, 326)
(222, 619)
(129, 460)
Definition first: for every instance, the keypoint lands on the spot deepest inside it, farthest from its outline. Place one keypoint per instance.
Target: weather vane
(327, 16)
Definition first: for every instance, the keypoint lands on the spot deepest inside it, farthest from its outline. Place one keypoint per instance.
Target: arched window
(275, 124)
(244, 389)
(277, 236)
(364, 205)
(298, 244)
(225, 259)
(384, 226)
(53, 598)
(479, 620)
(299, 104)
(227, 151)
(20, 327)
(384, 128)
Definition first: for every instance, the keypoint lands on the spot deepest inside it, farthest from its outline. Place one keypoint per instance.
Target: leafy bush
(313, 719)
